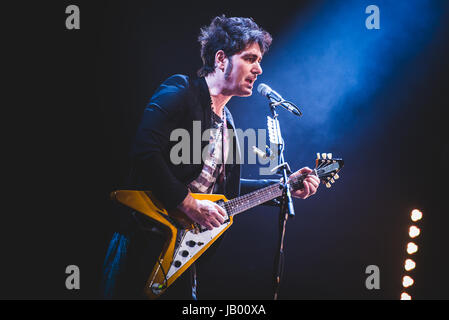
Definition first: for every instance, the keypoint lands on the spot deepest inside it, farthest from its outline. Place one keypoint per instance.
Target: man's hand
(205, 212)
(311, 184)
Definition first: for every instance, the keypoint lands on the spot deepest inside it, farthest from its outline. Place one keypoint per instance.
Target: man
(232, 51)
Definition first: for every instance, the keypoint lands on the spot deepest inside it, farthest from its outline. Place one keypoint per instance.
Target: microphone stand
(286, 205)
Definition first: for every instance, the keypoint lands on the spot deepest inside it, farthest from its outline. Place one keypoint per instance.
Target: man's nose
(257, 69)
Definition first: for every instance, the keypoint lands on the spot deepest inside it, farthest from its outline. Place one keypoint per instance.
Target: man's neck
(219, 100)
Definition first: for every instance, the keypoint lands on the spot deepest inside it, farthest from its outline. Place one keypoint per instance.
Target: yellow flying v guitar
(187, 240)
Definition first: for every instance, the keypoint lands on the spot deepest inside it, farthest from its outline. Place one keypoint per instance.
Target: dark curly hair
(231, 35)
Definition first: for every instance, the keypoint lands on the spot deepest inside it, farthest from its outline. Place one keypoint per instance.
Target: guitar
(187, 240)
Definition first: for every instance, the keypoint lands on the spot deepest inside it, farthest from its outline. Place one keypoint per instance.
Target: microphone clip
(290, 106)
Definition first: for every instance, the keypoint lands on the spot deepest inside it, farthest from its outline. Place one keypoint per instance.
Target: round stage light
(411, 248)
(416, 215)
(414, 231)
(407, 281)
(405, 296)
(409, 265)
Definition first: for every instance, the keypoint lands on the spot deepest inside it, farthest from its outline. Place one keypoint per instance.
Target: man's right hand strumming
(205, 212)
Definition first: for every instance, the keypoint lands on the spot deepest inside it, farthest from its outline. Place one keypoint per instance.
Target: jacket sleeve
(150, 154)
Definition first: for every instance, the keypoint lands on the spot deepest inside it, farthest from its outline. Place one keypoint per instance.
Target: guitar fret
(252, 199)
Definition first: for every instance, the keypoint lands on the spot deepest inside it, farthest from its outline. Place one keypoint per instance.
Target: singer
(231, 50)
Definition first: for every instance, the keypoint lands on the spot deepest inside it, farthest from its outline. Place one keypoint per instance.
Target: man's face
(242, 71)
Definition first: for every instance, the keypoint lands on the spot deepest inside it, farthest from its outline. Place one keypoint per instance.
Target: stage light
(407, 281)
(409, 265)
(411, 248)
(416, 215)
(414, 231)
(406, 296)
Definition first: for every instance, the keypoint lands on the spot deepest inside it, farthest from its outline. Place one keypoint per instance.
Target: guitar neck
(253, 199)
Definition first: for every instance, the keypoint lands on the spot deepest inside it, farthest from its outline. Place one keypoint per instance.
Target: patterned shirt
(213, 169)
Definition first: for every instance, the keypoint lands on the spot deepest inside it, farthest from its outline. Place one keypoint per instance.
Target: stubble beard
(228, 70)
(227, 74)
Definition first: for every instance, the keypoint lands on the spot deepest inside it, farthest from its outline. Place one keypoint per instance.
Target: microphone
(266, 91)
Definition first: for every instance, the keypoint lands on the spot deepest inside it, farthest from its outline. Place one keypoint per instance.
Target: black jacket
(178, 102)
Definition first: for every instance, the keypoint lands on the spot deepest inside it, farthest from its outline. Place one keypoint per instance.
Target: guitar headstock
(327, 168)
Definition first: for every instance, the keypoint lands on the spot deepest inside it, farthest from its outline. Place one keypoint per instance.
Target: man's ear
(220, 59)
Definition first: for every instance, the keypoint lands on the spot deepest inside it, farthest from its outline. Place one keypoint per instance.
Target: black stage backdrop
(72, 105)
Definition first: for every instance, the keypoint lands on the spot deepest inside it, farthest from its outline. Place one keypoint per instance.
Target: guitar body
(186, 240)
(185, 243)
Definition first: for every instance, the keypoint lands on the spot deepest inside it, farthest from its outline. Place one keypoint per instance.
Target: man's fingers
(215, 222)
(305, 170)
(313, 180)
(220, 210)
(306, 189)
(313, 186)
(207, 225)
(312, 189)
(218, 216)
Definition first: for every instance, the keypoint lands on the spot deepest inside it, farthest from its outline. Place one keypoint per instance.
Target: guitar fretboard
(253, 199)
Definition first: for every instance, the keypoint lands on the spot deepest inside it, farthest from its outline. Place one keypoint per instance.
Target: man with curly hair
(231, 51)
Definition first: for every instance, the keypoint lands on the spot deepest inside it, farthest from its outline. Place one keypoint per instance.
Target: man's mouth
(250, 80)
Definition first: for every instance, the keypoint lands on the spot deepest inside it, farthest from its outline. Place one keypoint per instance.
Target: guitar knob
(191, 243)
(184, 253)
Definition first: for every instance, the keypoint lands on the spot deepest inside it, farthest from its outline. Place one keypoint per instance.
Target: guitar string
(250, 200)
(247, 201)
(255, 198)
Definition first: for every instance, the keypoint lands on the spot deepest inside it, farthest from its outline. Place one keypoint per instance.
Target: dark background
(72, 105)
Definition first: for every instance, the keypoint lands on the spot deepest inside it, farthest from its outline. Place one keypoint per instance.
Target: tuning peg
(328, 185)
(332, 180)
(318, 156)
(323, 155)
(336, 176)
(329, 155)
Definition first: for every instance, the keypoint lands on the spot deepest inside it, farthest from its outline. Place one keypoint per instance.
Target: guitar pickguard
(191, 244)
